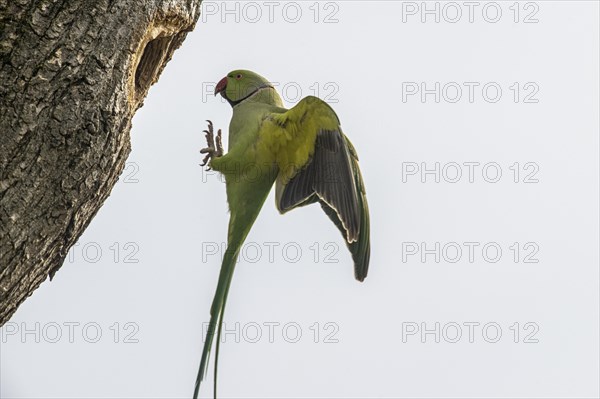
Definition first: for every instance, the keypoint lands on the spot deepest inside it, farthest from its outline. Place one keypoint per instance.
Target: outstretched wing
(318, 163)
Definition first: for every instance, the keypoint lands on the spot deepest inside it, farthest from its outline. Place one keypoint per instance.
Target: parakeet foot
(213, 150)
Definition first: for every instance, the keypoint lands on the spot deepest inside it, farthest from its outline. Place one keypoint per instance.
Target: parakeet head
(241, 84)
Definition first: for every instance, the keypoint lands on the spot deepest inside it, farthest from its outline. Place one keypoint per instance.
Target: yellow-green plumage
(298, 149)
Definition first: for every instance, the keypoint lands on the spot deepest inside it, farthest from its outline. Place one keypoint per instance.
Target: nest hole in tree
(150, 63)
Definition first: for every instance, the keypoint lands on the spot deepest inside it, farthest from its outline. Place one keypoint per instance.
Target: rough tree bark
(72, 75)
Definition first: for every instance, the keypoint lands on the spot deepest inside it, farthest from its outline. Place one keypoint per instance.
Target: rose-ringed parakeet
(304, 152)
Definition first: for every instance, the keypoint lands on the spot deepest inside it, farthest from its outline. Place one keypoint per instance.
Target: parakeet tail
(216, 315)
(245, 202)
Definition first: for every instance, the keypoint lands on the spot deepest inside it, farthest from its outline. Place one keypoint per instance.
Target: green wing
(329, 175)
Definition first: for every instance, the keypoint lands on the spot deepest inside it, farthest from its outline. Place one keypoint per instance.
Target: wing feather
(325, 169)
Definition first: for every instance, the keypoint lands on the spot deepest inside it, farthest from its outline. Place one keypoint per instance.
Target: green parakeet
(304, 152)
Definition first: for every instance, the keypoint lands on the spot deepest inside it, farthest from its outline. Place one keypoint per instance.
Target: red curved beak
(222, 85)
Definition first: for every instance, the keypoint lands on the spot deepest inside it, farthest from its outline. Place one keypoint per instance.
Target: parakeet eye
(238, 76)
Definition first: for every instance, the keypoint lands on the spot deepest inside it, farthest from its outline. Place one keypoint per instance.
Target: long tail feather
(219, 334)
(245, 203)
(216, 316)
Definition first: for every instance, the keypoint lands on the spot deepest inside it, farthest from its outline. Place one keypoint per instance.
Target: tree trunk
(72, 75)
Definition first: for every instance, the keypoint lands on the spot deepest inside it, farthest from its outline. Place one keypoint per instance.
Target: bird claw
(214, 149)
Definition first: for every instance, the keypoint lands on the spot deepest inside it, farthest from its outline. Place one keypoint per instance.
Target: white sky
(173, 218)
